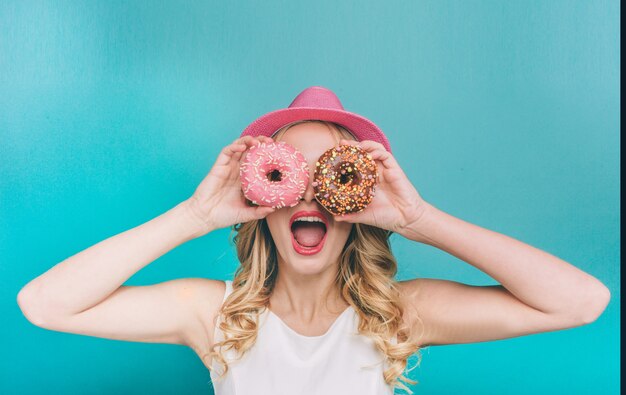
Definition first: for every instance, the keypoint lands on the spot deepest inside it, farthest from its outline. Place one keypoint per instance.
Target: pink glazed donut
(274, 174)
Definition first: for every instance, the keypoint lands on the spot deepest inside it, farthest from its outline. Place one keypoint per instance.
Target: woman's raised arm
(538, 292)
(84, 293)
(88, 277)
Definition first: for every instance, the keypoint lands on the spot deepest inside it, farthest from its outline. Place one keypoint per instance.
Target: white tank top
(282, 361)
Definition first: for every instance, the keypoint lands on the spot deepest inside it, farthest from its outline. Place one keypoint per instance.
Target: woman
(334, 321)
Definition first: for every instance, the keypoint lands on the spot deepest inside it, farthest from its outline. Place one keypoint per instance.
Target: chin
(311, 264)
(307, 267)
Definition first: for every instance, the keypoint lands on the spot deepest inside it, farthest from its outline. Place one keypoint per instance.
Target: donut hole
(345, 178)
(347, 174)
(274, 175)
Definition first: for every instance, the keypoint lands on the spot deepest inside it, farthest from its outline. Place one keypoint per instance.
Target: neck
(307, 296)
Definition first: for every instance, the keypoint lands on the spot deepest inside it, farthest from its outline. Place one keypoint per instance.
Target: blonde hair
(365, 279)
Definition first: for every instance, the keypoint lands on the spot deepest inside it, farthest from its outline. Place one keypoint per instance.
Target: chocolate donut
(345, 179)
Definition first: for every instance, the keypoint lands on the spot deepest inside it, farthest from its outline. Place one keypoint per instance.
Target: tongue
(309, 234)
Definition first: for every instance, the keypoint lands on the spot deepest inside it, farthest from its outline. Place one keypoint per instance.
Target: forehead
(312, 139)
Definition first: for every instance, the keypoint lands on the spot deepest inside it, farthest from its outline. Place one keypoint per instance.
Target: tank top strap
(229, 289)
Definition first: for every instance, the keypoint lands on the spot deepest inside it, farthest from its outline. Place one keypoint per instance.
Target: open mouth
(308, 235)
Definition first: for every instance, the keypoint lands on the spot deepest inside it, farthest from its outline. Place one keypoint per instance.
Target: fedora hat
(316, 103)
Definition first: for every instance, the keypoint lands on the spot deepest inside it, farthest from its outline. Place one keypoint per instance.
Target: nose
(309, 193)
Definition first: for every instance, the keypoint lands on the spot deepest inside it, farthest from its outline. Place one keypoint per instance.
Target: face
(312, 140)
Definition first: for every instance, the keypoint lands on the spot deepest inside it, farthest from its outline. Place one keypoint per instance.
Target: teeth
(309, 219)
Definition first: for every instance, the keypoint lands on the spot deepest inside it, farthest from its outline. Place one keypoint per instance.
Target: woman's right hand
(218, 201)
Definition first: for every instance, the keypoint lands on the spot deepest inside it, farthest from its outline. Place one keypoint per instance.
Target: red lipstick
(300, 249)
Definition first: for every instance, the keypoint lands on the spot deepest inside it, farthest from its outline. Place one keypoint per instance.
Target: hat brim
(361, 127)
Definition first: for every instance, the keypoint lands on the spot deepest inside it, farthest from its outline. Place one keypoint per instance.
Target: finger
(348, 142)
(262, 211)
(259, 140)
(351, 218)
(378, 152)
(242, 140)
(265, 139)
(237, 156)
(373, 144)
(227, 153)
(368, 145)
(251, 141)
(385, 158)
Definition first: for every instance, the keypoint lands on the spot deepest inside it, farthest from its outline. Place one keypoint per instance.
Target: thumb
(255, 213)
(262, 211)
(347, 218)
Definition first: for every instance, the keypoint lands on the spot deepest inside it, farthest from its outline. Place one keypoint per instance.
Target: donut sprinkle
(274, 174)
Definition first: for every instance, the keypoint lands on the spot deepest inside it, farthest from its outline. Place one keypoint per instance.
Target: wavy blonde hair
(365, 279)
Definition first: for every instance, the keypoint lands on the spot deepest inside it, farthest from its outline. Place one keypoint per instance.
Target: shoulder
(411, 288)
(412, 300)
(202, 293)
(204, 297)
(418, 291)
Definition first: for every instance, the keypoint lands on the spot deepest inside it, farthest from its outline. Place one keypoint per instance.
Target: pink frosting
(264, 158)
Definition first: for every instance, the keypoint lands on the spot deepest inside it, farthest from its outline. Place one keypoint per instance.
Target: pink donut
(274, 174)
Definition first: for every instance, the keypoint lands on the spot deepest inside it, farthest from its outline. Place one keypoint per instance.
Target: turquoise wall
(502, 113)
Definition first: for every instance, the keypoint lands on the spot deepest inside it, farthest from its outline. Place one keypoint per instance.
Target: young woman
(332, 321)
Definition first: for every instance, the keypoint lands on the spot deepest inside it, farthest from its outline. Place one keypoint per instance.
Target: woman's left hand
(396, 203)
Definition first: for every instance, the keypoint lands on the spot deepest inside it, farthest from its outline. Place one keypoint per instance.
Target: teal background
(502, 113)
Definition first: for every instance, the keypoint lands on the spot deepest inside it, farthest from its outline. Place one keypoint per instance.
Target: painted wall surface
(502, 113)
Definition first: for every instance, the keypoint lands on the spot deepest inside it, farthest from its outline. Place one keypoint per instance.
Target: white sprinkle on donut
(260, 161)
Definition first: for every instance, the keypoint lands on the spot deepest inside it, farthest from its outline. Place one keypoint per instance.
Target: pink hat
(319, 103)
